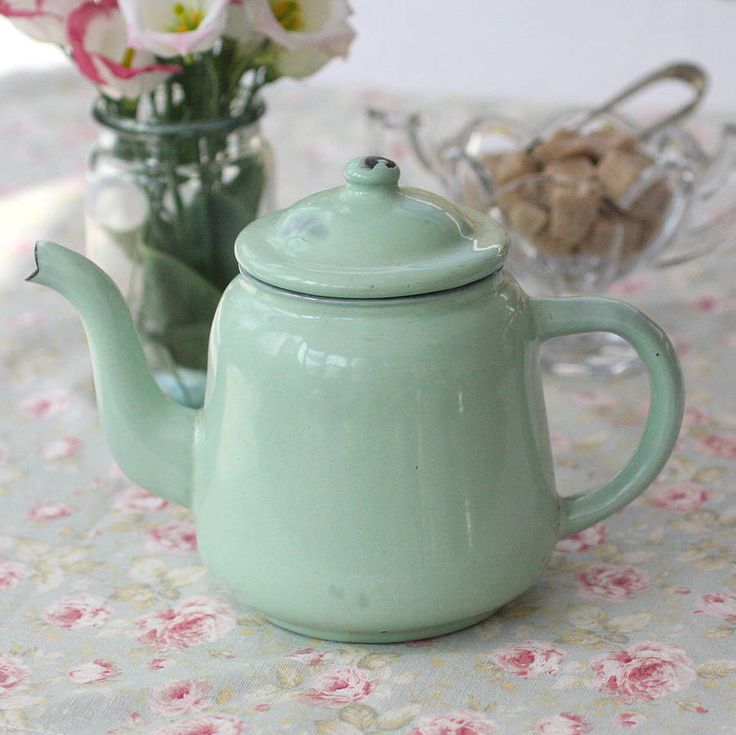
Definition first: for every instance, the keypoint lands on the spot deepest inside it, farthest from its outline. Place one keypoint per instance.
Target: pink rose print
(72, 613)
(611, 582)
(704, 303)
(204, 725)
(309, 656)
(177, 536)
(712, 302)
(92, 672)
(62, 448)
(694, 416)
(719, 445)
(645, 672)
(460, 722)
(339, 686)
(137, 500)
(683, 497)
(13, 672)
(563, 724)
(719, 605)
(631, 285)
(629, 719)
(49, 511)
(26, 319)
(180, 697)
(46, 404)
(560, 442)
(583, 540)
(528, 659)
(11, 572)
(194, 620)
(158, 664)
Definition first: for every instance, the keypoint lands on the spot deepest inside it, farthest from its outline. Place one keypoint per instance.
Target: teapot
(372, 461)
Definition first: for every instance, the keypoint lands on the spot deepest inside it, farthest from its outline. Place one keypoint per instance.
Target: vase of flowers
(180, 165)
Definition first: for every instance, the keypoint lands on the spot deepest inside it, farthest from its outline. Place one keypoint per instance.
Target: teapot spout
(150, 436)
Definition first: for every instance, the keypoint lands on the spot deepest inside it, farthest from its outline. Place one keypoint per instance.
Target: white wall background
(562, 51)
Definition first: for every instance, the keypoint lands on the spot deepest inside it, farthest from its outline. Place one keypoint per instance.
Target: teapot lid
(371, 239)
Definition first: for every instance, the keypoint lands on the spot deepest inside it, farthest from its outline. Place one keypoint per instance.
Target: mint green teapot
(372, 462)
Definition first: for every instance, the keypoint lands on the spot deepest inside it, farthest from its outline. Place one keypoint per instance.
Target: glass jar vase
(164, 203)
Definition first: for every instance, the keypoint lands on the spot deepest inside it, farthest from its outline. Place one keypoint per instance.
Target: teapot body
(374, 469)
(372, 461)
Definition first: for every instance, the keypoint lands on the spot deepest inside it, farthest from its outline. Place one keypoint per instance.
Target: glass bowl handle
(690, 74)
(559, 317)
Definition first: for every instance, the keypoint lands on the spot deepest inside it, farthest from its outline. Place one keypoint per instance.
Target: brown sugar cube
(563, 144)
(611, 229)
(507, 199)
(650, 230)
(530, 190)
(544, 242)
(474, 194)
(653, 203)
(574, 209)
(574, 167)
(527, 218)
(505, 167)
(550, 188)
(634, 236)
(608, 139)
(603, 237)
(618, 170)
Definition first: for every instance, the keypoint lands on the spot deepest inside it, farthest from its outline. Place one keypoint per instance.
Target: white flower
(240, 28)
(306, 33)
(103, 54)
(174, 27)
(44, 20)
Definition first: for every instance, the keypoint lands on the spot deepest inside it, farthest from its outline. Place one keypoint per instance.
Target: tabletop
(109, 622)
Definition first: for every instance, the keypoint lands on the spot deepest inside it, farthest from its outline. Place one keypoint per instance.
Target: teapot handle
(564, 316)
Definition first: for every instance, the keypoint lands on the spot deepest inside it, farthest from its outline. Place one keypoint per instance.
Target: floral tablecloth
(109, 623)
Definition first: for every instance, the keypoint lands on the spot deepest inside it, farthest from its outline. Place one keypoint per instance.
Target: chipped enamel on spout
(150, 436)
(372, 461)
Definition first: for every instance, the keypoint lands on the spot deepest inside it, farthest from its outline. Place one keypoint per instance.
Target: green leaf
(718, 631)
(585, 616)
(335, 727)
(580, 637)
(376, 660)
(629, 623)
(396, 718)
(359, 715)
(186, 257)
(288, 676)
(175, 306)
(716, 669)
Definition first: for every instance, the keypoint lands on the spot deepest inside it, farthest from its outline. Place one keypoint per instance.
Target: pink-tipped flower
(44, 20)
(103, 54)
(306, 34)
(170, 28)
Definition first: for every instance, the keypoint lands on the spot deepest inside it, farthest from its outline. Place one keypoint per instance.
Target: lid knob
(372, 171)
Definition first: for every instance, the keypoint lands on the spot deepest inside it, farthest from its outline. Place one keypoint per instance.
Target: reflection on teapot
(372, 460)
